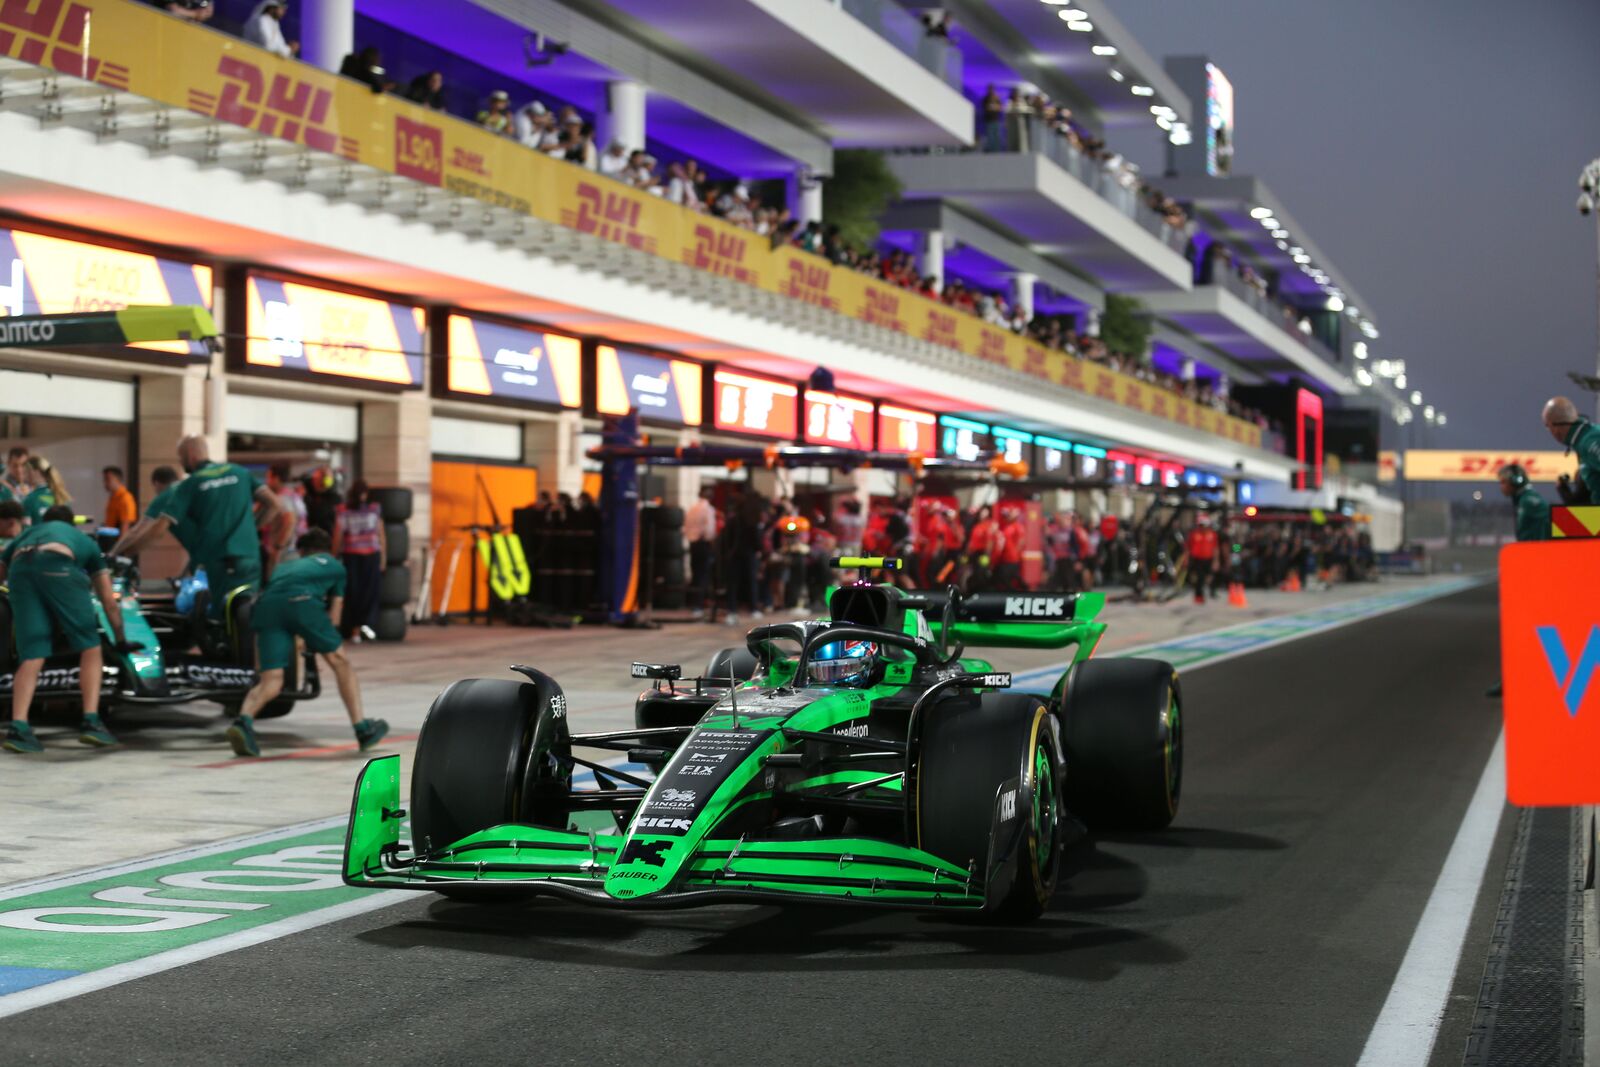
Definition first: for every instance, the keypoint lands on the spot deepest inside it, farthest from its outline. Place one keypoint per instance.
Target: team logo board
(1550, 656)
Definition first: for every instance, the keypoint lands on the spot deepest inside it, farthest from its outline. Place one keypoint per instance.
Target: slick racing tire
(1122, 728)
(397, 538)
(394, 587)
(981, 764)
(391, 624)
(395, 502)
(491, 751)
(739, 658)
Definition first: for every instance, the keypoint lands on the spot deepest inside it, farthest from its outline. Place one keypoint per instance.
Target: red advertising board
(763, 406)
(843, 421)
(907, 431)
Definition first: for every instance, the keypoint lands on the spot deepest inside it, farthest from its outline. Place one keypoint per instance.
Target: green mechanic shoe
(19, 738)
(242, 736)
(370, 731)
(91, 731)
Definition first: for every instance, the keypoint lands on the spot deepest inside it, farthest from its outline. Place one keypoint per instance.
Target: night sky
(1431, 148)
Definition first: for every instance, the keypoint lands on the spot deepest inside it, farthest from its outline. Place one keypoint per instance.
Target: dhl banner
(322, 331)
(1437, 465)
(514, 363)
(42, 275)
(137, 48)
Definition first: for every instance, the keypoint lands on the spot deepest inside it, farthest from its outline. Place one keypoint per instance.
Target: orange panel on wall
(461, 499)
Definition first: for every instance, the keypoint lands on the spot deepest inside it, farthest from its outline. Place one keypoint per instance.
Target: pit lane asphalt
(1324, 782)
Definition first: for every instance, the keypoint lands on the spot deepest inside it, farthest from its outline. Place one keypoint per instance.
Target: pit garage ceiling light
(1283, 245)
(1335, 304)
(1081, 26)
(1400, 380)
(1280, 233)
(1164, 122)
(1427, 412)
(1440, 419)
(1180, 134)
(1117, 75)
(1142, 90)
(1261, 212)
(1104, 49)
(1359, 349)
(1362, 376)
(1416, 397)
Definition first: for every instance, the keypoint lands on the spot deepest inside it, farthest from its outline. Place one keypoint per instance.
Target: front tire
(969, 753)
(1122, 727)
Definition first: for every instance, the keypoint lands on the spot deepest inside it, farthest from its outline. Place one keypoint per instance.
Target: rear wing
(1043, 619)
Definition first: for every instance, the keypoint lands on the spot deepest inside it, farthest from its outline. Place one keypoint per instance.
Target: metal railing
(907, 33)
(1286, 316)
(1116, 186)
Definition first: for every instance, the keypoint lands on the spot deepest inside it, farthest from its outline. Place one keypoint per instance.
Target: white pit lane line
(1409, 1023)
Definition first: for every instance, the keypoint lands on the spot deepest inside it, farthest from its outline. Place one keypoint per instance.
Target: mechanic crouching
(51, 568)
(295, 604)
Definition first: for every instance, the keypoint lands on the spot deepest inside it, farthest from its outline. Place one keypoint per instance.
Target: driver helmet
(844, 663)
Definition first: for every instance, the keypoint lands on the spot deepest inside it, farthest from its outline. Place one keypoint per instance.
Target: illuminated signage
(1308, 439)
(667, 390)
(838, 420)
(1053, 456)
(1437, 465)
(1147, 472)
(754, 405)
(1119, 467)
(1246, 492)
(513, 363)
(1388, 467)
(327, 333)
(903, 430)
(1219, 121)
(963, 438)
(1171, 475)
(42, 275)
(1012, 444)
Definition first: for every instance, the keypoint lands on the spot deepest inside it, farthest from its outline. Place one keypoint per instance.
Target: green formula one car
(865, 760)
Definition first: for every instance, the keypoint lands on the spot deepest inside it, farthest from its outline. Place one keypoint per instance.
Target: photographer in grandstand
(295, 604)
(51, 568)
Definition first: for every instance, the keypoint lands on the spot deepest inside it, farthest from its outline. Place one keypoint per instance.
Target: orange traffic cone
(1294, 582)
(1236, 595)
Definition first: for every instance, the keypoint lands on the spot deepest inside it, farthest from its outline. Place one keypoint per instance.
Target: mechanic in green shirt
(163, 478)
(10, 523)
(213, 514)
(46, 489)
(1533, 511)
(52, 569)
(11, 484)
(296, 604)
(1579, 435)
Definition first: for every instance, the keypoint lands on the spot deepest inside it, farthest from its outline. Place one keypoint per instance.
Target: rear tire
(1123, 734)
(967, 751)
(394, 501)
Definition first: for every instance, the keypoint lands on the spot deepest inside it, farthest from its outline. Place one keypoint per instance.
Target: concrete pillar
(327, 31)
(550, 446)
(804, 196)
(622, 118)
(396, 450)
(930, 256)
(170, 406)
(1022, 292)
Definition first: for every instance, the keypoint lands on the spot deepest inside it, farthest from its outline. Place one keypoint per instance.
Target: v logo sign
(1573, 680)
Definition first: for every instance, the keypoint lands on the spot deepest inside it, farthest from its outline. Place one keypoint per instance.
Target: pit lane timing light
(131, 325)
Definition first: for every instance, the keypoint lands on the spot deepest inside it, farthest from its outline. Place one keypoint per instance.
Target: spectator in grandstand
(51, 569)
(700, 524)
(193, 10)
(531, 122)
(614, 160)
(12, 483)
(427, 90)
(578, 141)
(641, 172)
(264, 28)
(300, 602)
(366, 66)
(122, 511)
(1577, 433)
(936, 23)
(360, 541)
(496, 114)
(994, 113)
(45, 488)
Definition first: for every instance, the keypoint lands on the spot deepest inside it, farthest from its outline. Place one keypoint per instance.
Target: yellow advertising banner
(135, 47)
(1439, 465)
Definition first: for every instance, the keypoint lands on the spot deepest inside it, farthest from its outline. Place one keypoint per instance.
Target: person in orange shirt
(1202, 548)
(122, 511)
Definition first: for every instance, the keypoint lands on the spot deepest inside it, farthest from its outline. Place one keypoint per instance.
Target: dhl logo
(50, 33)
(1071, 373)
(1488, 465)
(941, 329)
(471, 162)
(283, 107)
(1183, 413)
(1035, 360)
(609, 216)
(1158, 405)
(720, 253)
(1133, 396)
(418, 151)
(1105, 386)
(882, 309)
(809, 282)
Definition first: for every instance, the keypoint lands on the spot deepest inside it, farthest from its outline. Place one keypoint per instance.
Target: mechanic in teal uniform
(51, 570)
(213, 514)
(1579, 435)
(1533, 516)
(296, 604)
(46, 489)
(10, 523)
(163, 479)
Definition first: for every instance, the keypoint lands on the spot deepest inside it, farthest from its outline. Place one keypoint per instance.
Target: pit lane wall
(135, 48)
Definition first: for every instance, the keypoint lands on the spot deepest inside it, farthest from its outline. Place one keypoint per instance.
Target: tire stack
(666, 545)
(395, 591)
